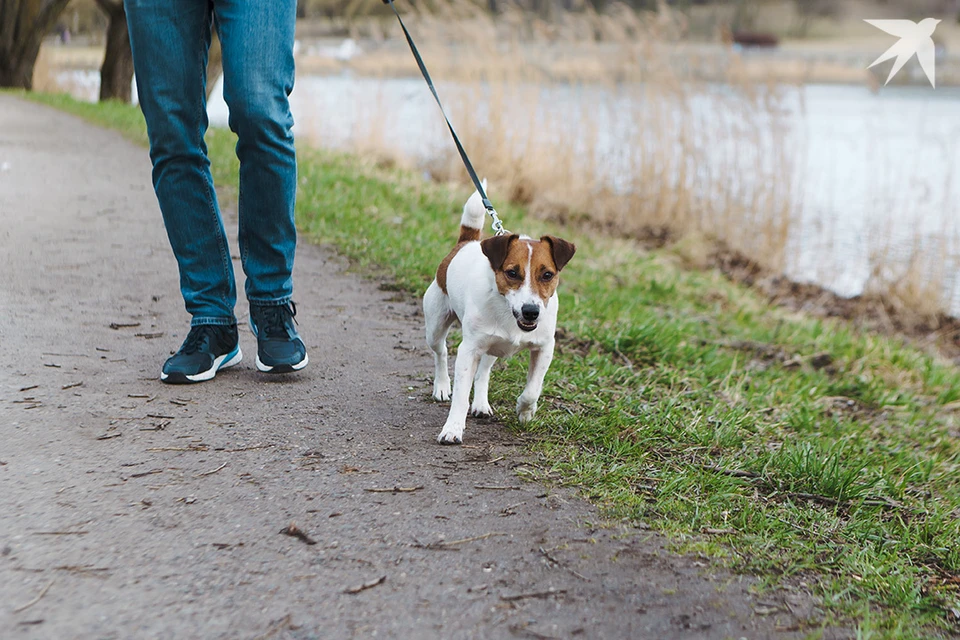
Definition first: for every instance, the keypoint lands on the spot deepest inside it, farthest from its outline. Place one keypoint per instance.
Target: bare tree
(23, 23)
(116, 72)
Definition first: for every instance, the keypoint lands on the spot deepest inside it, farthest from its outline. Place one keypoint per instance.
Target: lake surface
(876, 175)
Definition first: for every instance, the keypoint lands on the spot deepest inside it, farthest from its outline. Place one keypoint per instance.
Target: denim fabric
(170, 40)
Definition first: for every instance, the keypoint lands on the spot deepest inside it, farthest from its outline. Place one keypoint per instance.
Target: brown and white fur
(503, 291)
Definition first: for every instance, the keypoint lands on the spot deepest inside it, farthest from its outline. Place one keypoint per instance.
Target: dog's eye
(513, 274)
(547, 276)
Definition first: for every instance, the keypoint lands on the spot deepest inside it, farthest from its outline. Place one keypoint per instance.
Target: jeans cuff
(276, 302)
(224, 322)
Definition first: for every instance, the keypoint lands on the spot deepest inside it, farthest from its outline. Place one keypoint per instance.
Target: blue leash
(497, 224)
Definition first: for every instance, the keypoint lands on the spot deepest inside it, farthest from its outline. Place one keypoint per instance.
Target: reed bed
(612, 120)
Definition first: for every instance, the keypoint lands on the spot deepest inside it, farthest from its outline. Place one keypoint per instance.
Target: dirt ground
(133, 509)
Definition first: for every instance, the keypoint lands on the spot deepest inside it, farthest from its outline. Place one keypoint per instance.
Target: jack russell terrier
(503, 291)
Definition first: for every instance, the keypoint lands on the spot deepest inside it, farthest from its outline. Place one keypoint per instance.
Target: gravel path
(132, 509)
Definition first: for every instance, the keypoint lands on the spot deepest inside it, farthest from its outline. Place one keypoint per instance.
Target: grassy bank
(786, 446)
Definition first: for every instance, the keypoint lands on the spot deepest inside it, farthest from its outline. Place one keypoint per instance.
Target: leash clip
(497, 224)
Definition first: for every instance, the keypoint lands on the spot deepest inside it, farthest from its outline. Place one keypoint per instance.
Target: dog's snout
(530, 312)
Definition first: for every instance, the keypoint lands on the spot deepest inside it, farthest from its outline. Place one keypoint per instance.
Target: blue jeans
(170, 40)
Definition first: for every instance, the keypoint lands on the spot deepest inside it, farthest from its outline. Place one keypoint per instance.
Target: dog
(503, 290)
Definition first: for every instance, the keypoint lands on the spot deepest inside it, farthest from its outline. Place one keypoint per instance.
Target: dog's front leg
(540, 360)
(481, 385)
(464, 369)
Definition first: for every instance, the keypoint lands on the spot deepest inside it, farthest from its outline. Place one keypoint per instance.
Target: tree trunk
(23, 23)
(116, 73)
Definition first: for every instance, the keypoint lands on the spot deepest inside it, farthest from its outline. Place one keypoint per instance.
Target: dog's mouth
(526, 326)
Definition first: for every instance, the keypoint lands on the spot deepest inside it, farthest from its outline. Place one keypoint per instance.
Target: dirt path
(131, 509)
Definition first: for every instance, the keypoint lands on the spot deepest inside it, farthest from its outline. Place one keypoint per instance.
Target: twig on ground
(250, 448)
(60, 533)
(448, 545)
(366, 585)
(495, 487)
(534, 594)
(294, 531)
(81, 568)
(276, 627)
(35, 600)
(71, 386)
(546, 554)
(210, 473)
(717, 532)
(394, 489)
(735, 473)
(146, 473)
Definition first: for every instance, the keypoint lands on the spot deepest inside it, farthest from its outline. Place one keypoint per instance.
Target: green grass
(786, 446)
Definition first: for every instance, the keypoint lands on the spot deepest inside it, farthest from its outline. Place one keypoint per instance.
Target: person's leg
(170, 41)
(258, 70)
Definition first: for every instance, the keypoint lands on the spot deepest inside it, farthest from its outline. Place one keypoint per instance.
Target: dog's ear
(496, 248)
(561, 249)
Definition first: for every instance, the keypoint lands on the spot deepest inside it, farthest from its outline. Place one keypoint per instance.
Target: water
(877, 175)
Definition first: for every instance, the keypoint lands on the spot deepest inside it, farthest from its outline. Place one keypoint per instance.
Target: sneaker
(207, 349)
(279, 347)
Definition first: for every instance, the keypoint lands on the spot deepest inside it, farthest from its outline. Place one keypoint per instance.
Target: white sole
(293, 367)
(210, 373)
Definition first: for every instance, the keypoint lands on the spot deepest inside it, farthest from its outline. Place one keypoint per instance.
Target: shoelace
(275, 320)
(197, 337)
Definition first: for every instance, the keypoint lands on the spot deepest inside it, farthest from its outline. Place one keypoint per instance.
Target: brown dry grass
(654, 180)
(671, 184)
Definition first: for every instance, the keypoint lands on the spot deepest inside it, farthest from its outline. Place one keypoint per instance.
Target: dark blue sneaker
(207, 349)
(279, 347)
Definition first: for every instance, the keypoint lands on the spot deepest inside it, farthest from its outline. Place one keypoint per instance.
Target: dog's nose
(530, 312)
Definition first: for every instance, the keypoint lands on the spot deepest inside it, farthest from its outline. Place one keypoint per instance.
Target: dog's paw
(526, 410)
(481, 410)
(450, 435)
(441, 392)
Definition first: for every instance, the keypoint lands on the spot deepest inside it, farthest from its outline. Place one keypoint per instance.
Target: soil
(314, 505)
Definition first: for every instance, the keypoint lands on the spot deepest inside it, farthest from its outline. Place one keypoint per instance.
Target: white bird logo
(915, 38)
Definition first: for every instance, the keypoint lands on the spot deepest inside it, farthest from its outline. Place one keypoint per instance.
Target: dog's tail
(474, 214)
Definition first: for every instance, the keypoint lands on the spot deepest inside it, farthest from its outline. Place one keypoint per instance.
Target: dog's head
(526, 272)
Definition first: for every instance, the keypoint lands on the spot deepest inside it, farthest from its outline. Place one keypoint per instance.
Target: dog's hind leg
(439, 318)
(539, 363)
(481, 385)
